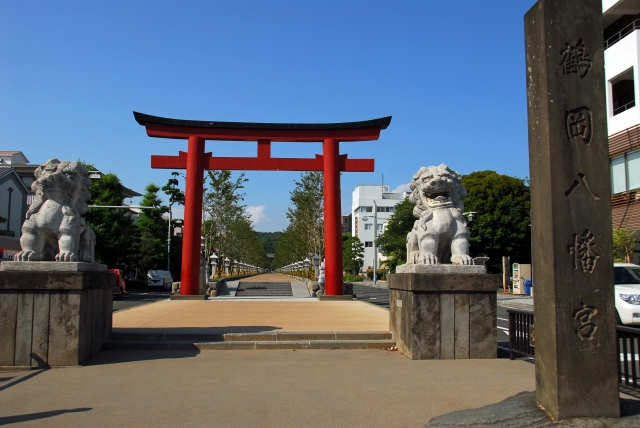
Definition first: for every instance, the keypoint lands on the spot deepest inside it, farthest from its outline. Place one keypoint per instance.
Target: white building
(365, 197)
(621, 21)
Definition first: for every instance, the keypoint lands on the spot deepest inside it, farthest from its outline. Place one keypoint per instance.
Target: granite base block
(53, 318)
(176, 296)
(13, 266)
(444, 316)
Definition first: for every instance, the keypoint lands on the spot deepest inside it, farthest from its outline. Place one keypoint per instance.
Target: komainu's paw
(415, 257)
(28, 256)
(67, 256)
(461, 259)
(430, 259)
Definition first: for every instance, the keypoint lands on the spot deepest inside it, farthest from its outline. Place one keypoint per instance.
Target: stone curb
(246, 345)
(252, 337)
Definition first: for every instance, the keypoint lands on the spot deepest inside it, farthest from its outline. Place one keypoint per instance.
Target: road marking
(373, 298)
(506, 330)
(503, 319)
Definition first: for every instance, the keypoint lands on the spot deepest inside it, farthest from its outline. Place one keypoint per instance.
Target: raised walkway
(252, 323)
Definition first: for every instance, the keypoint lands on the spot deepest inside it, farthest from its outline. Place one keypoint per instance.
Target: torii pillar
(195, 161)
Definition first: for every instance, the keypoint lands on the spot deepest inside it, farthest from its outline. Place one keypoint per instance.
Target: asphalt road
(137, 298)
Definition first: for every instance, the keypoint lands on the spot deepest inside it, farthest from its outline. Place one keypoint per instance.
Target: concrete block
(24, 328)
(324, 298)
(8, 316)
(40, 336)
(175, 296)
(13, 266)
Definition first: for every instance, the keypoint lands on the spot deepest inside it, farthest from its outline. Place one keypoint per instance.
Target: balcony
(635, 25)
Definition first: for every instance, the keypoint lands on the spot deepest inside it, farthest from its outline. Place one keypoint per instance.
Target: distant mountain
(269, 240)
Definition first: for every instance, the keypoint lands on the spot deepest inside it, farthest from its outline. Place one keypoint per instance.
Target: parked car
(120, 288)
(627, 289)
(159, 279)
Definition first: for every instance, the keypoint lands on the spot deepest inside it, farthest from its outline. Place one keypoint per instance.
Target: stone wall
(53, 318)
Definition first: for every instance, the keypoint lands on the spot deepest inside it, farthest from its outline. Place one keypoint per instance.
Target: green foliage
(151, 250)
(393, 241)
(228, 229)
(114, 229)
(500, 225)
(269, 240)
(624, 242)
(176, 196)
(352, 278)
(2, 219)
(352, 253)
(304, 236)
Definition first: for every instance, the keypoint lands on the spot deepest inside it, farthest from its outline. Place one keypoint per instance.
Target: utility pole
(375, 247)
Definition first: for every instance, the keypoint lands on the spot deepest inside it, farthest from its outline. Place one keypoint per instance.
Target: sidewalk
(304, 388)
(515, 301)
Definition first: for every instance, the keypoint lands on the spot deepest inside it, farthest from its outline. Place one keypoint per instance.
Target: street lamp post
(375, 248)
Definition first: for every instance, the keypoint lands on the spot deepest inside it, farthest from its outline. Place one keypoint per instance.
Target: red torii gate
(195, 161)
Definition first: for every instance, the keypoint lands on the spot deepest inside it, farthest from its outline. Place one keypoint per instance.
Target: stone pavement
(304, 388)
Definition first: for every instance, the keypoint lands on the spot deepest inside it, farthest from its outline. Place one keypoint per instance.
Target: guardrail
(625, 107)
(521, 333)
(628, 348)
(521, 341)
(620, 34)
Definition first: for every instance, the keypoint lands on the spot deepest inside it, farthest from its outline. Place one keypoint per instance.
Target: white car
(159, 278)
(627, 289)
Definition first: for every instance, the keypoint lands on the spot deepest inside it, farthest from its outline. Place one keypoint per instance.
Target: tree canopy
(624, 242)
(393, 241)
(501, 219)
(151, 250)
(352, 253)
(304, 236)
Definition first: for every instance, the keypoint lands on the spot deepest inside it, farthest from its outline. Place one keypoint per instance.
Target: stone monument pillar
(576, 357)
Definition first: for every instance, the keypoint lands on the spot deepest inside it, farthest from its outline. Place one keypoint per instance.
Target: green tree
(223, 206)
(624, 242)
(352, 253)
(502, 206)
(115, 230)
(393, 241)
(151, 251)
(176, 196)
(304, 236)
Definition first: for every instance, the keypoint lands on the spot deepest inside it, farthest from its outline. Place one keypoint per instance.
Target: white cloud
(257, 215)
(402, 188)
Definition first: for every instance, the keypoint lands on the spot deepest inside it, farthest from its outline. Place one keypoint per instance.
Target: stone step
(253, 337)
(186, 345)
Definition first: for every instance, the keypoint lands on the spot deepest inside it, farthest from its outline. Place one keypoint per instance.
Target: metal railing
(620, 34)
(628, 349)
(622, 108)
(521, 339)
(521, 333)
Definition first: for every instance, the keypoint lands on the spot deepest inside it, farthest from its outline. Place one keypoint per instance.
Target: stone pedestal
(444, 315)
(53, 318)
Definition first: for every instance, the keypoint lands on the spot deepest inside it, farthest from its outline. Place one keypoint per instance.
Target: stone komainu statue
(54, 229)
(440, 234)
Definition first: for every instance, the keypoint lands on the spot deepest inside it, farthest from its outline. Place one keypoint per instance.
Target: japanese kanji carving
(440, 234)
(580, 180)
(575, 59)
(586, 328)
(579, 125)
(582, 250)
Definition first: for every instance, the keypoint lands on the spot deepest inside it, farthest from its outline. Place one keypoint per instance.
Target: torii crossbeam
(195, 161)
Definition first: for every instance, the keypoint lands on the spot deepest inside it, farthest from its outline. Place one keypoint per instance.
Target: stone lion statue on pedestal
(440, 234)
(54, 229)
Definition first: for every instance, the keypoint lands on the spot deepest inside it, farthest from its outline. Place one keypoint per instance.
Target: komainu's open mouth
(437, 195)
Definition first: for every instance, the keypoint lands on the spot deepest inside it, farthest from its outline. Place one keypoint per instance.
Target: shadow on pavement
(4, 420)
(127, 356)
(22, 379)
(200, 330)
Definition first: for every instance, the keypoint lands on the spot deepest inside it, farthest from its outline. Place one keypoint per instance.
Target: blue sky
(451, 74)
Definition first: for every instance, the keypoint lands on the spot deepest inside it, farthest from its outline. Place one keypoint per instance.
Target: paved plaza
(303, 388)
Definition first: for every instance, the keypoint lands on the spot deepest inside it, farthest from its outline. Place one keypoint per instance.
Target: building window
(368, 226)
(379, 227)
(368, 244)
(623, 92)
(625, 172)
(385, 209)
(366, 209)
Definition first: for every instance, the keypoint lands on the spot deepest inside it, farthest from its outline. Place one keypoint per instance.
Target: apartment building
(371, 206)
(621, 19)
